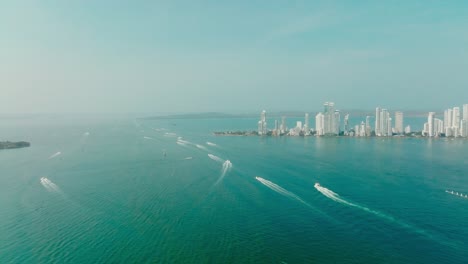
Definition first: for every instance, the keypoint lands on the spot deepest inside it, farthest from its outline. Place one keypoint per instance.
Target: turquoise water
(110, 195)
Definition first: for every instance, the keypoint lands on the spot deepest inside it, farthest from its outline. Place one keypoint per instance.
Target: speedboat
(317, 185)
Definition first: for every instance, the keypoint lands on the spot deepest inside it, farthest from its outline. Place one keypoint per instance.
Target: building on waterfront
(283, 127)
(377, 121)
(320, 124)
(438, 127)
(346, 124)
(306, 128)
(368, 127)
(407, 129)
(262, 124)
(399, 122)
(455, 121)
(331, 119)
(383, 122)
(465, 112)
(464, 128)
(430, 124)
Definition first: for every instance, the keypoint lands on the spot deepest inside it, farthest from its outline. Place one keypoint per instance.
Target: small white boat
(317, 185)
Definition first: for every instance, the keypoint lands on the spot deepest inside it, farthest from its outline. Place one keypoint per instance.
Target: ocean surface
(124, 190)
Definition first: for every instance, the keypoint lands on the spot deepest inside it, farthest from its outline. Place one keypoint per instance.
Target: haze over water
(147, 191)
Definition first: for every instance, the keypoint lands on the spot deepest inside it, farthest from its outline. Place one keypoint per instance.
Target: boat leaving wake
(200, 146)
(227, 165)
(211, 144)
(280, 190)
(50, 186)
(457, 194)
(150, 138)
(335, 197)
(215, 158)
(55, 155)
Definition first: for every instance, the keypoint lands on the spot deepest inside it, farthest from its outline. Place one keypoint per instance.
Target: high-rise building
(377, 121)
(430, 124)
(464, 128)
(368, 127)
(465, 112)
(438, 127)
(320, 124)
(306, 127)
(329, 118)
(399, 122)
(389, 126)
(336, 122)
(362, 129)
(456, 117)
(407, 129)
(283, 127)
(262, 124)
(346, 124)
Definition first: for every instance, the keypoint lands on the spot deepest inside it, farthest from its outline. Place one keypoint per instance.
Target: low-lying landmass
(14, 145)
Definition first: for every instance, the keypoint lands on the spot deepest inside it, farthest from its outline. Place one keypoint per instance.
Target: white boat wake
(227, 165)
(188, 158)
(49, 185)
(215, 158)
(457, 194)
(169, 134)
(280, 190)
(86, 134)
(200, 146)
(149, 138)
(335, 197)
(55, 155)
(211, 144)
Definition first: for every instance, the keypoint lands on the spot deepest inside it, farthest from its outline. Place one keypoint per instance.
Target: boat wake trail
(200, 146)
(215, 158)
(211, 144)
(55, 155)
(280, 190)
(457, 194)
(335, 197)
(227, 165)
(150, 138)
(50, 186)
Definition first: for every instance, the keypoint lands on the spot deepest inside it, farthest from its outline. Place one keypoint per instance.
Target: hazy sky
(182, 56)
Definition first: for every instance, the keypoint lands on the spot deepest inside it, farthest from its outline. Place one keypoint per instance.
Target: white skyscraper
(336, 122)
(465, 112)
(368, 127)
(306, 127)
(377, 121)
(346, 124)
(320, 124)
(283, 127)
(438, 127)
(407, 129)
(262, 124)
(464, 128)
(456, 117)
(399, 122)
(430, 124)
(330, 123)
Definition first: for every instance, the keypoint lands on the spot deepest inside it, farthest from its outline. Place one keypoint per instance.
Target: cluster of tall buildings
(328, 122)
(454, 124)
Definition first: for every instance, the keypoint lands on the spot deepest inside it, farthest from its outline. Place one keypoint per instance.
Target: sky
(114, 56)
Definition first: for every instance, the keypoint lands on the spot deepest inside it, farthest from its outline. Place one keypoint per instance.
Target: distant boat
(317, 185)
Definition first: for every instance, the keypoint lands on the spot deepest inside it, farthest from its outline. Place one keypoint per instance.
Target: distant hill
(194, 116)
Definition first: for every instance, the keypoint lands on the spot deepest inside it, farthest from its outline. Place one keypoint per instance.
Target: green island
(14, 145)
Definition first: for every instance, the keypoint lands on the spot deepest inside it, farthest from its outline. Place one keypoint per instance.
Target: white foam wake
(200, 146)
(227, 165)
(150, 138)
(457, 194)
(215, 158)
(49, 185)
(335, 197)
(169, 134)
(188, 158)
(55, 155)
(280, 190)
(86, 134)
(211, 144)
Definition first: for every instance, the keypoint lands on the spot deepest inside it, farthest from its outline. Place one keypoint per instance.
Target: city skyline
(328, 122)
